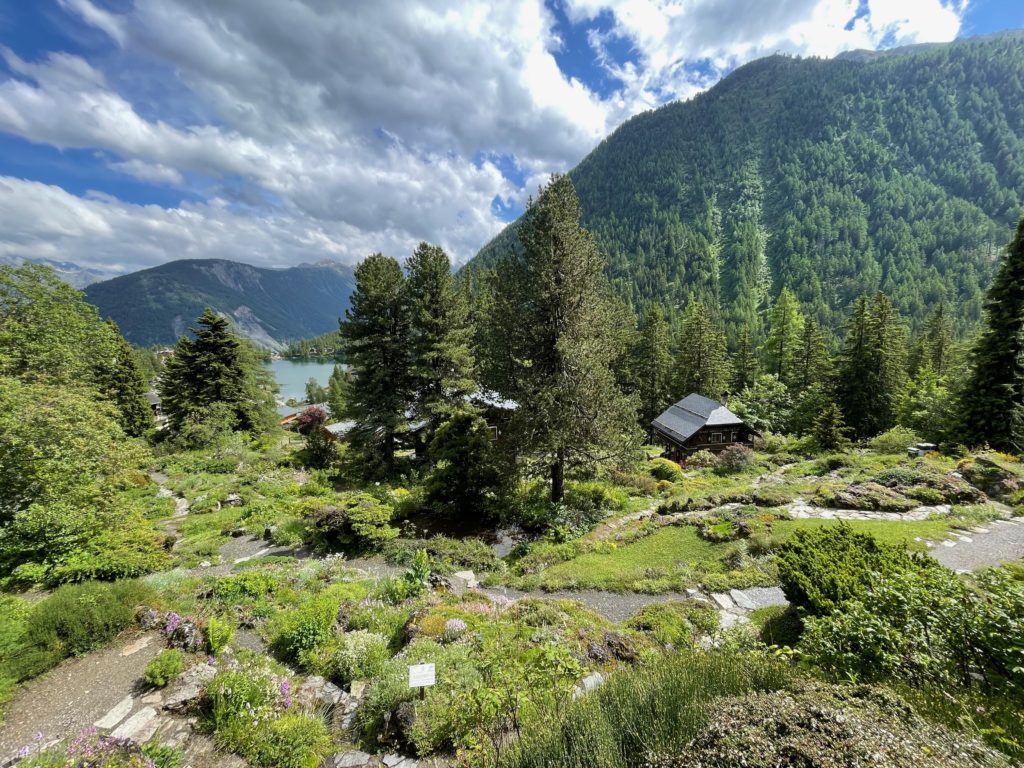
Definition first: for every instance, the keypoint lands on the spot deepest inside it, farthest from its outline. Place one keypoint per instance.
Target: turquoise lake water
(292, 376)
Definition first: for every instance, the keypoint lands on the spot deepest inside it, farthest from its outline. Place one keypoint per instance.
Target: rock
(316, 692)
(620, 646)
(722, 600)
(132, 727)
(597, 652)
(589, 683)
(397, 761)
(465, 580)
(205, 564)
(352, 759)
(117, 714)
(189, 687)
(137, 645)
(233, 500)
(187, 636)
(268, 532)
(741, 600)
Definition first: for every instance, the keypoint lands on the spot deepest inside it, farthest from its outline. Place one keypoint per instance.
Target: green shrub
(219, 633)
(249, 585)
(665, 469)
(447, 554)
(675, 623)
(356, 519)
(896, 440)
(164, 756)
(356, 655)
(823, 568)
(593, 497)
(294, 741)
(385, 620)
(312, 623)
(164, 667)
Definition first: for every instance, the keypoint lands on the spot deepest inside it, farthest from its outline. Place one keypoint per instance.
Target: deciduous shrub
(356, 655)
(164, 667)
(702, 459)
(896, 440)
(734, 459)
(675, 623)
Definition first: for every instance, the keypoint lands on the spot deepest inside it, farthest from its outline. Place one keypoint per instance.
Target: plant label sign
(421, 675)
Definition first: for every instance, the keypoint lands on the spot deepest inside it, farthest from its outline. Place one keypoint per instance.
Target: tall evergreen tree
(871, 370)
(554, 342)
(338, 386)
(702, 363)
(935, 347)
(744, 363)
(786, 322)
(653, 365)
(442, 363)
(214, 368)
(992, 402)
(376, 337)
(830, 430)
(120, 381)
(812, 364)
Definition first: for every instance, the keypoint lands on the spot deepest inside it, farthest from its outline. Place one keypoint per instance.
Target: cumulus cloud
(315, 127)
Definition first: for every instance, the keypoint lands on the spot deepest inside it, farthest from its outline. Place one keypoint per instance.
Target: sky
(275, 132)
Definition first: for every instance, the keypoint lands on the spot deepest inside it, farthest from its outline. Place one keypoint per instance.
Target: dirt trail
(76, 693)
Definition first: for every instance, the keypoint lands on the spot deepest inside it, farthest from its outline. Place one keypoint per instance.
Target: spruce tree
(653, 365)
(214, 367)
(812, 364)
(702, 362)
(744, 363)
(338, 386)
(442, 363)
(785, 325)
(554, 341)
(829, 429)
(120, 380)
(871, 370)
(992, 402)
(376, 338)
(935, 346)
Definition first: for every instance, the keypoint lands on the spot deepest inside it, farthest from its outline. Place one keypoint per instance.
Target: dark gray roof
(682, 420)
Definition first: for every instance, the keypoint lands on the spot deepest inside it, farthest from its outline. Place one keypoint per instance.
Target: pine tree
(214, 368)
(653, 365)
(119, 380)
(442, 363)
(744, 363)
(992, 402)
(377, 344)
(554, 341)
(829, 429)
(702, 362)
(786, 322)
(812, 364)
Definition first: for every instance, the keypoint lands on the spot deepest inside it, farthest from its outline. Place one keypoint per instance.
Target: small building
(698, 423)
(338, 431)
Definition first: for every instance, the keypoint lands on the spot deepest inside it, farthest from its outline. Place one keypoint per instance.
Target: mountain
(900, 170)
(269, 306)
(69, 272)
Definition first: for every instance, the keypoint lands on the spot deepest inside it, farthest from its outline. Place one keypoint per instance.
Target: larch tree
(785, 325)
(812, 364)
(702, 364)
(439, 337)
(992, 401)
(554, 342)
(376, 338)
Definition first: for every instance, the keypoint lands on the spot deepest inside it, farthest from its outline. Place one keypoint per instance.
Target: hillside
(270, 306)
(73, 274)
(901, 171)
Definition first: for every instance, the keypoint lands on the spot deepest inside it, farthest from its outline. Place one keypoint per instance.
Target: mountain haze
(901, 171)
(269, 306)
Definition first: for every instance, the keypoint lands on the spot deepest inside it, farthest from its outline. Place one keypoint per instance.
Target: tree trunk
(558, 477)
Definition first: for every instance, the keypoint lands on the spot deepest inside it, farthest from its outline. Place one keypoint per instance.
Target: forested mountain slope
(270, 306)
(901, 171)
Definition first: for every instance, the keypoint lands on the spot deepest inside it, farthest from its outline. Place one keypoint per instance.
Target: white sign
(421, 675)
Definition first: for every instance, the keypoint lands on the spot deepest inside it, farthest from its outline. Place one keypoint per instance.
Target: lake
(292, 376)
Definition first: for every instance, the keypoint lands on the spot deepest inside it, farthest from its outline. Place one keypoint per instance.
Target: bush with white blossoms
(453, 630)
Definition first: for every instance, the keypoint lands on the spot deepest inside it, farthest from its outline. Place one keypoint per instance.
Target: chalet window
(716, 437)
(732, 438)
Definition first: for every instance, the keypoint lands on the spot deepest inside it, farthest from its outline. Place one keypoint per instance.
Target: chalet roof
(340, 428)
(153, 398)
(682, 420)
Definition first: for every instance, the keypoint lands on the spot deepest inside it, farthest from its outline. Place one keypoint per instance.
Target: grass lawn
(666, 550)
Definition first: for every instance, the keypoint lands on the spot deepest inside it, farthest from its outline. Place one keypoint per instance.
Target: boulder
(591, 682)
(233, 500)
(189, 687)
(353, 758)
(462, 580)
(317, 693)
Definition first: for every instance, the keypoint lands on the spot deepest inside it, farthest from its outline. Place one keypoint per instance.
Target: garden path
(981, 546)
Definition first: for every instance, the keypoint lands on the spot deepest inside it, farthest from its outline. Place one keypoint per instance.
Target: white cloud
(320, 127)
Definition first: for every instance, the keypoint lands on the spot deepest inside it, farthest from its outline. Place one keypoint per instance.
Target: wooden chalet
(698, 423)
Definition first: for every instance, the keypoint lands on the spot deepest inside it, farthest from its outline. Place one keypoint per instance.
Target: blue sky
(133, 132)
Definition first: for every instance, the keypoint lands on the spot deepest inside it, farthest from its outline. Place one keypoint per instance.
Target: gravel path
(994, 543)
(76, 693)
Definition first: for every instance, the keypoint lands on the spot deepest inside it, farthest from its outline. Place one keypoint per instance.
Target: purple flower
(453, 628)
(172, 623)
